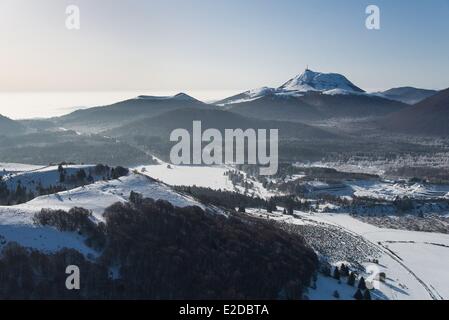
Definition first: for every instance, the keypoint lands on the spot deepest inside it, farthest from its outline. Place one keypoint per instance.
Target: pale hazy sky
(190, 45)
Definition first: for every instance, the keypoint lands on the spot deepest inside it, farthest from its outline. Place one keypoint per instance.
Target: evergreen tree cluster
(344, 272)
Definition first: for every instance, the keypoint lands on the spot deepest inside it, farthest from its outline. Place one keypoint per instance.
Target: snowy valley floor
(415, 263)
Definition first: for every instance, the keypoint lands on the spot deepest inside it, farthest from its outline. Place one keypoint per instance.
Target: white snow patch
(7, 168)
(207, 177)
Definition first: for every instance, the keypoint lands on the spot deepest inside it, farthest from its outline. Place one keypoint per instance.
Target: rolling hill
(10, 127)
(106, 117)
(429, 117)
(162, 125)
(313, 106)
(408, 95)
(44, 147)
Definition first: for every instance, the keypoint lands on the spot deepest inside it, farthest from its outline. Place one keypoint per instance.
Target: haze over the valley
(155, 50)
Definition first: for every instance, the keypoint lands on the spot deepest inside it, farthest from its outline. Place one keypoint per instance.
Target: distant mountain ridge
(409, 95)
(316, 106)
(102, 118)
(10, 127)
(311, 96)
(428, 117)
(177, 97)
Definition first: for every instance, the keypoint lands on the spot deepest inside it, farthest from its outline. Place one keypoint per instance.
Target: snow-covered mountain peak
(316, 81)
(326, 83)
(184, 96)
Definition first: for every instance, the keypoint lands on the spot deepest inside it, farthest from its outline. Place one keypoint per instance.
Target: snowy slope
(326, 286)
(44, 176)
(45, 239)
(16, 222)
(326, 83)
(16, 225)
(247, 96)
(98, 196)
(8, 168)
(428, 261)
(316, 81)
(416, 262)
(207, 177)
(335, 92)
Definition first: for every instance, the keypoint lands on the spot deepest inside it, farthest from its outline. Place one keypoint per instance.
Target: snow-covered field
(207, 177)
(415, 262)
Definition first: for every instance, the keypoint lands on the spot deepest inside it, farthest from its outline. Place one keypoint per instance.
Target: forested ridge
(159, 251)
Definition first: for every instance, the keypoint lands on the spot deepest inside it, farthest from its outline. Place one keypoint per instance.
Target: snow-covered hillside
(97, 196)
(16, 222)
(213, 177)
(248, 96)
(415, 263)
(32, 178)
(418, 260)
(8, 168)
